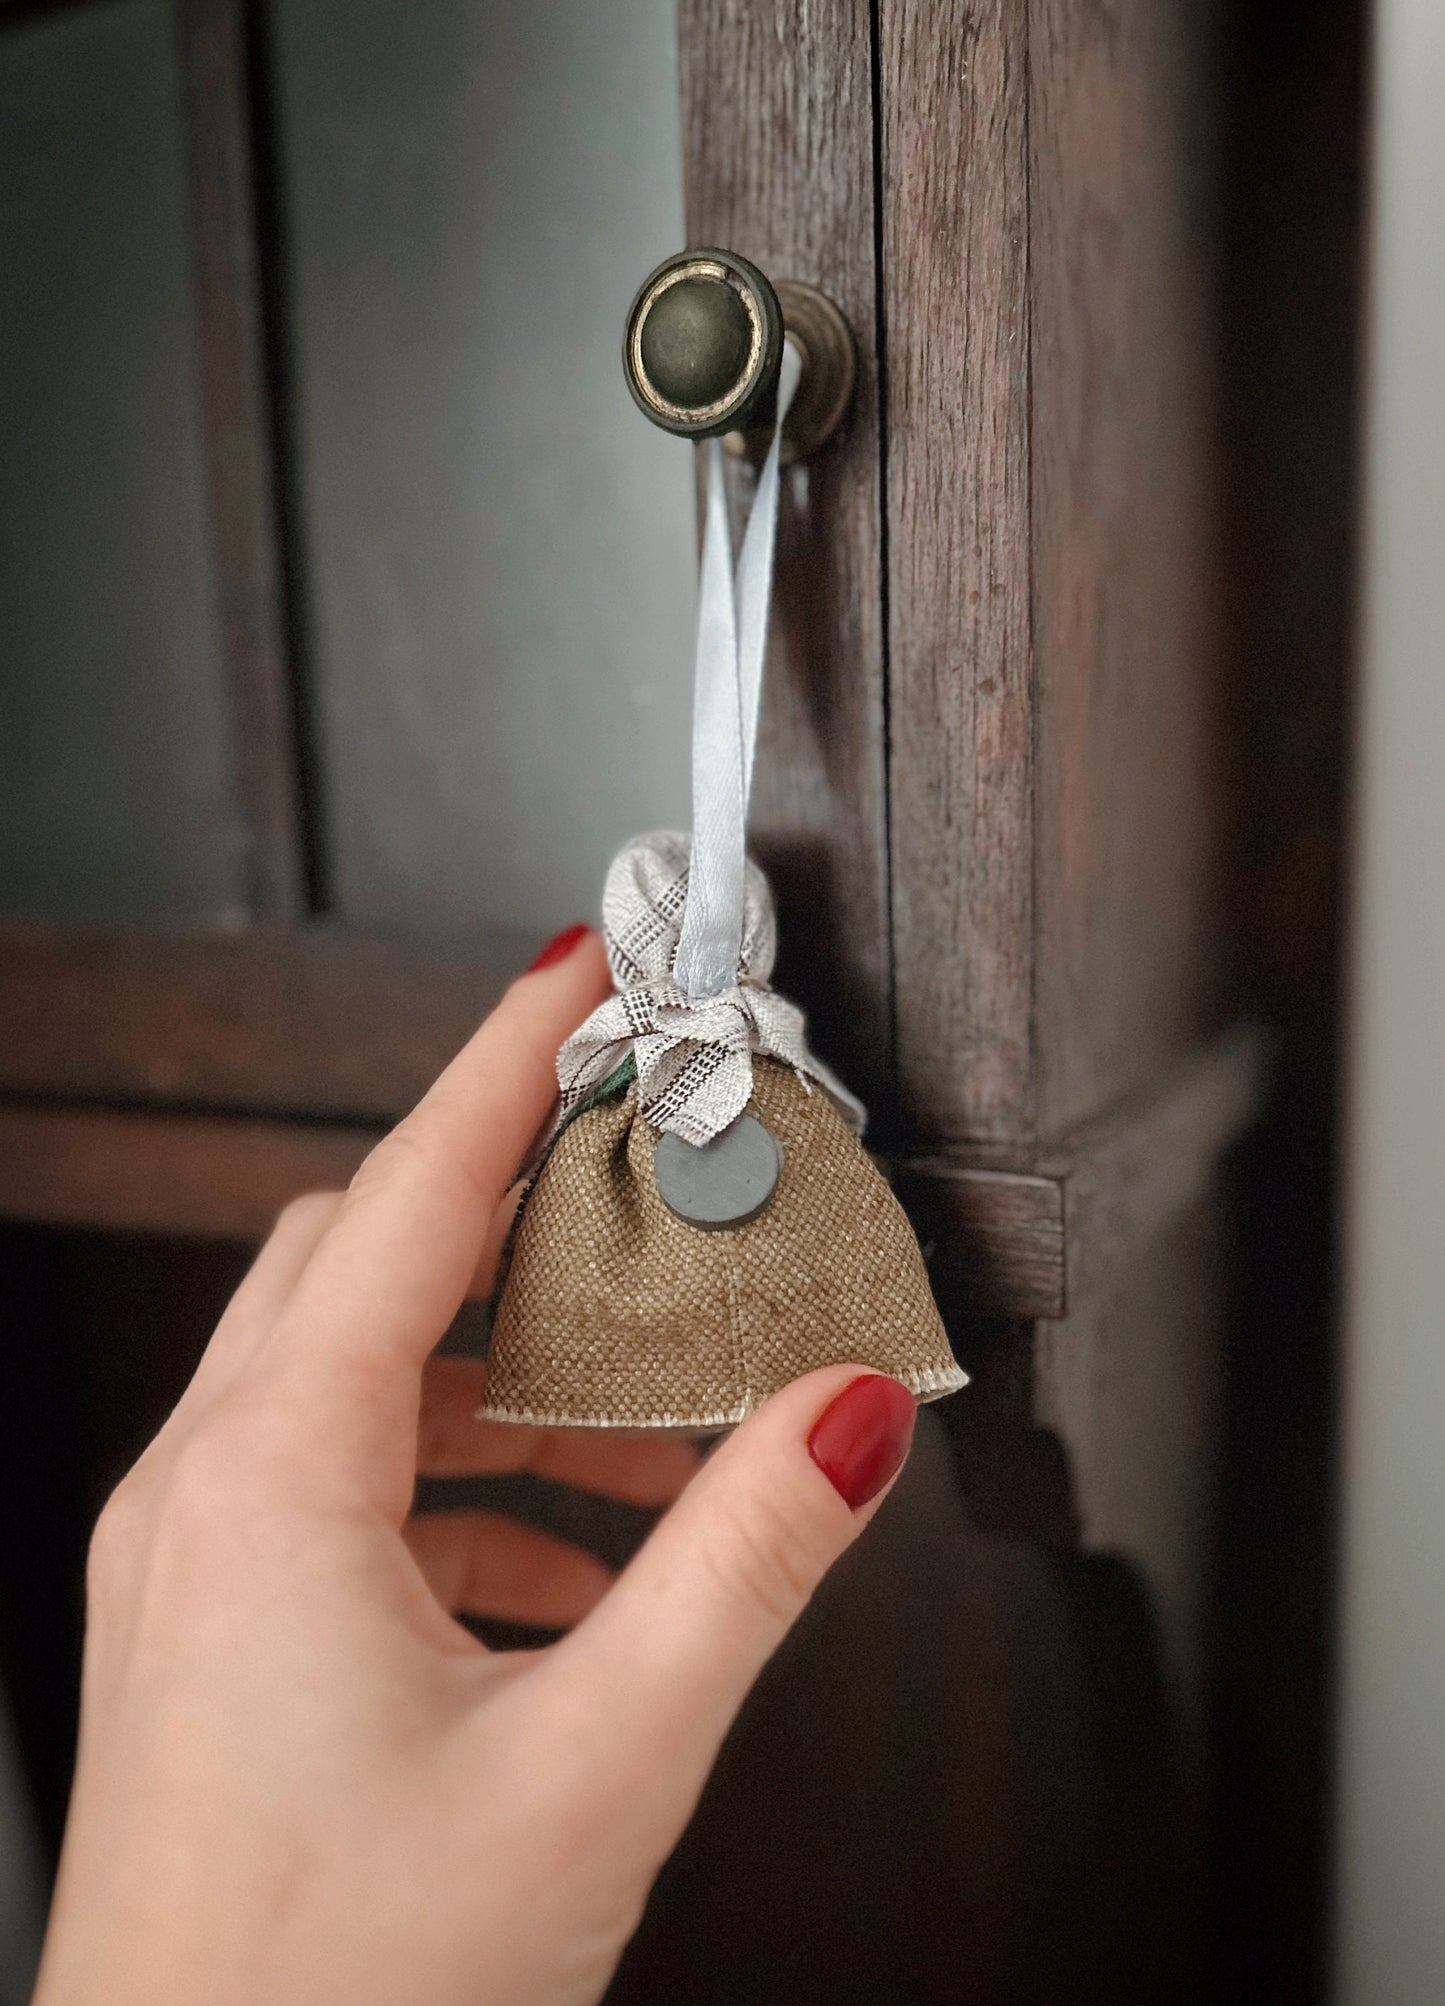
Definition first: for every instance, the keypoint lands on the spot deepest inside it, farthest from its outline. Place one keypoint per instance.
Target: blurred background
(345, 631)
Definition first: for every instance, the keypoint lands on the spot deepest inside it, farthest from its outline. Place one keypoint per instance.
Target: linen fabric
(613, 1313)
(694, 1058)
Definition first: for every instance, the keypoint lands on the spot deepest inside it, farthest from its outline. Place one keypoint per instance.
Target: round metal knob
(704, 345)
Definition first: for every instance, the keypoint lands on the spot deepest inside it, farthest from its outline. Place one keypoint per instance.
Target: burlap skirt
(613, 1313)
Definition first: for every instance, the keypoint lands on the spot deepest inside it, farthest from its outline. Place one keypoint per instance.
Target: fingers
(648, 1470)
(656, 1674)
(483, 1564)
(495, 1240)
(638, 1469)
(263, 1292)
(388, 1276)
(450, 1440)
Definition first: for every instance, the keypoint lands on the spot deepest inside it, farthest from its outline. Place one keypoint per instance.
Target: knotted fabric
(693, 1056)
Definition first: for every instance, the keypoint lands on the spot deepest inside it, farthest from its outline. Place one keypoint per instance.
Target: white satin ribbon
(732, 641)
(688, 921)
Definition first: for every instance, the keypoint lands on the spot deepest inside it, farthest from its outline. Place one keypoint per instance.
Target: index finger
(391, 1272)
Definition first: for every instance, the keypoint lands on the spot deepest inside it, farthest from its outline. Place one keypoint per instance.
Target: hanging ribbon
(688, 923)
(732, 641)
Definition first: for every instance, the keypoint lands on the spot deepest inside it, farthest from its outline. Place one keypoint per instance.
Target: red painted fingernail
(559, 947)
(862, 1435)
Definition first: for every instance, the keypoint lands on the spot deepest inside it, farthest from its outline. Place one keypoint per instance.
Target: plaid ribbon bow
(694, 1058)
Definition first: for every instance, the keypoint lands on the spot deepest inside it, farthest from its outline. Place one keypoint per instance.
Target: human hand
(300, 1779)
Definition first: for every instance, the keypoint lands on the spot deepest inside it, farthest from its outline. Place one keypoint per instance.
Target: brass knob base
(825, 389)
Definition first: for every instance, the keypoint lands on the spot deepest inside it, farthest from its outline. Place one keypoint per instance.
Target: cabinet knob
(704, 345)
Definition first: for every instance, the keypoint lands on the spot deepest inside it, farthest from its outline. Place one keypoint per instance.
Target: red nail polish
(559, 947)
(862, 1435)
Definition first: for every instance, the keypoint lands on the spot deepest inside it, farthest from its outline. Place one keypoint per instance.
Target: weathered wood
(778, 164)
(226, 1176)
(1127, 1177)
(213, 1177)
(1048, 347)
(1129, 653)
(231, 359)
(1046, 1239)
(993, 1239)
(311, 1021)
(1132, 1377)
(325, 1023)
(954, 234)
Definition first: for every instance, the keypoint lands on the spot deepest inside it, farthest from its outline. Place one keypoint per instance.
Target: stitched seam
(740, 1350)
(924, 1382)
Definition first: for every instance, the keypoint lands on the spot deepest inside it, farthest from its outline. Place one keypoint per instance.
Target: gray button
(724, 1183)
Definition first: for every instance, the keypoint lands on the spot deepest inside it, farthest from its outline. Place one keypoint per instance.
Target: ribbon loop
(732, 641)
(688, 922)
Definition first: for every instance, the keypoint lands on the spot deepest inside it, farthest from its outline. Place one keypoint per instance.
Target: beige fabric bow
(694, 1058)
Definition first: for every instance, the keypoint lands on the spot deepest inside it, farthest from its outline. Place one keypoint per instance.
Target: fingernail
(862, 1435)
(559, 947)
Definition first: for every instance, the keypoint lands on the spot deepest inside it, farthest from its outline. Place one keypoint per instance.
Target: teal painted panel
(499, 550)
(114, 802)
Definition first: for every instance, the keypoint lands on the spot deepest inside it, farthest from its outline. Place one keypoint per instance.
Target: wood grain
(1126, 1178)
(1130, 804)
(954, 229)
(180, 1174)
(236, 421)
(993, 1239)
(777, 127)
(1046, 1238)
(324, 1023)
(306, 1021)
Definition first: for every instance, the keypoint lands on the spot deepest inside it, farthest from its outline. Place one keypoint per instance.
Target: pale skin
(300, 1778)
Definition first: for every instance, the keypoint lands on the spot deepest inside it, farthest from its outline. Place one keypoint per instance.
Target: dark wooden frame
(293, 1048)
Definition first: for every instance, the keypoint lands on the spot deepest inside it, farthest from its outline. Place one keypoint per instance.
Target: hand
(300, 1778)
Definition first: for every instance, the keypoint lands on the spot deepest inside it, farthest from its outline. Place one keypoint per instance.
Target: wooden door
(998, 793)
(994, 753)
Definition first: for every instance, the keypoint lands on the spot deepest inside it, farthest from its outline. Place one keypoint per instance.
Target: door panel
(115, 797)
(498, 552)
(954, 226)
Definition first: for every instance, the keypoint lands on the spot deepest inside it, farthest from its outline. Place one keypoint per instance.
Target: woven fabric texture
(694, 1058)
(614, 1313)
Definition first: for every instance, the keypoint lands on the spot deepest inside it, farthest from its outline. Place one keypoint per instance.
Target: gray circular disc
(724, 1183)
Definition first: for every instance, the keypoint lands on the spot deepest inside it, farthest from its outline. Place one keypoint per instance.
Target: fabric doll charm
(704, 1225)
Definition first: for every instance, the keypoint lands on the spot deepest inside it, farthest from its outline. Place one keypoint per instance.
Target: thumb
(663, 1664)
